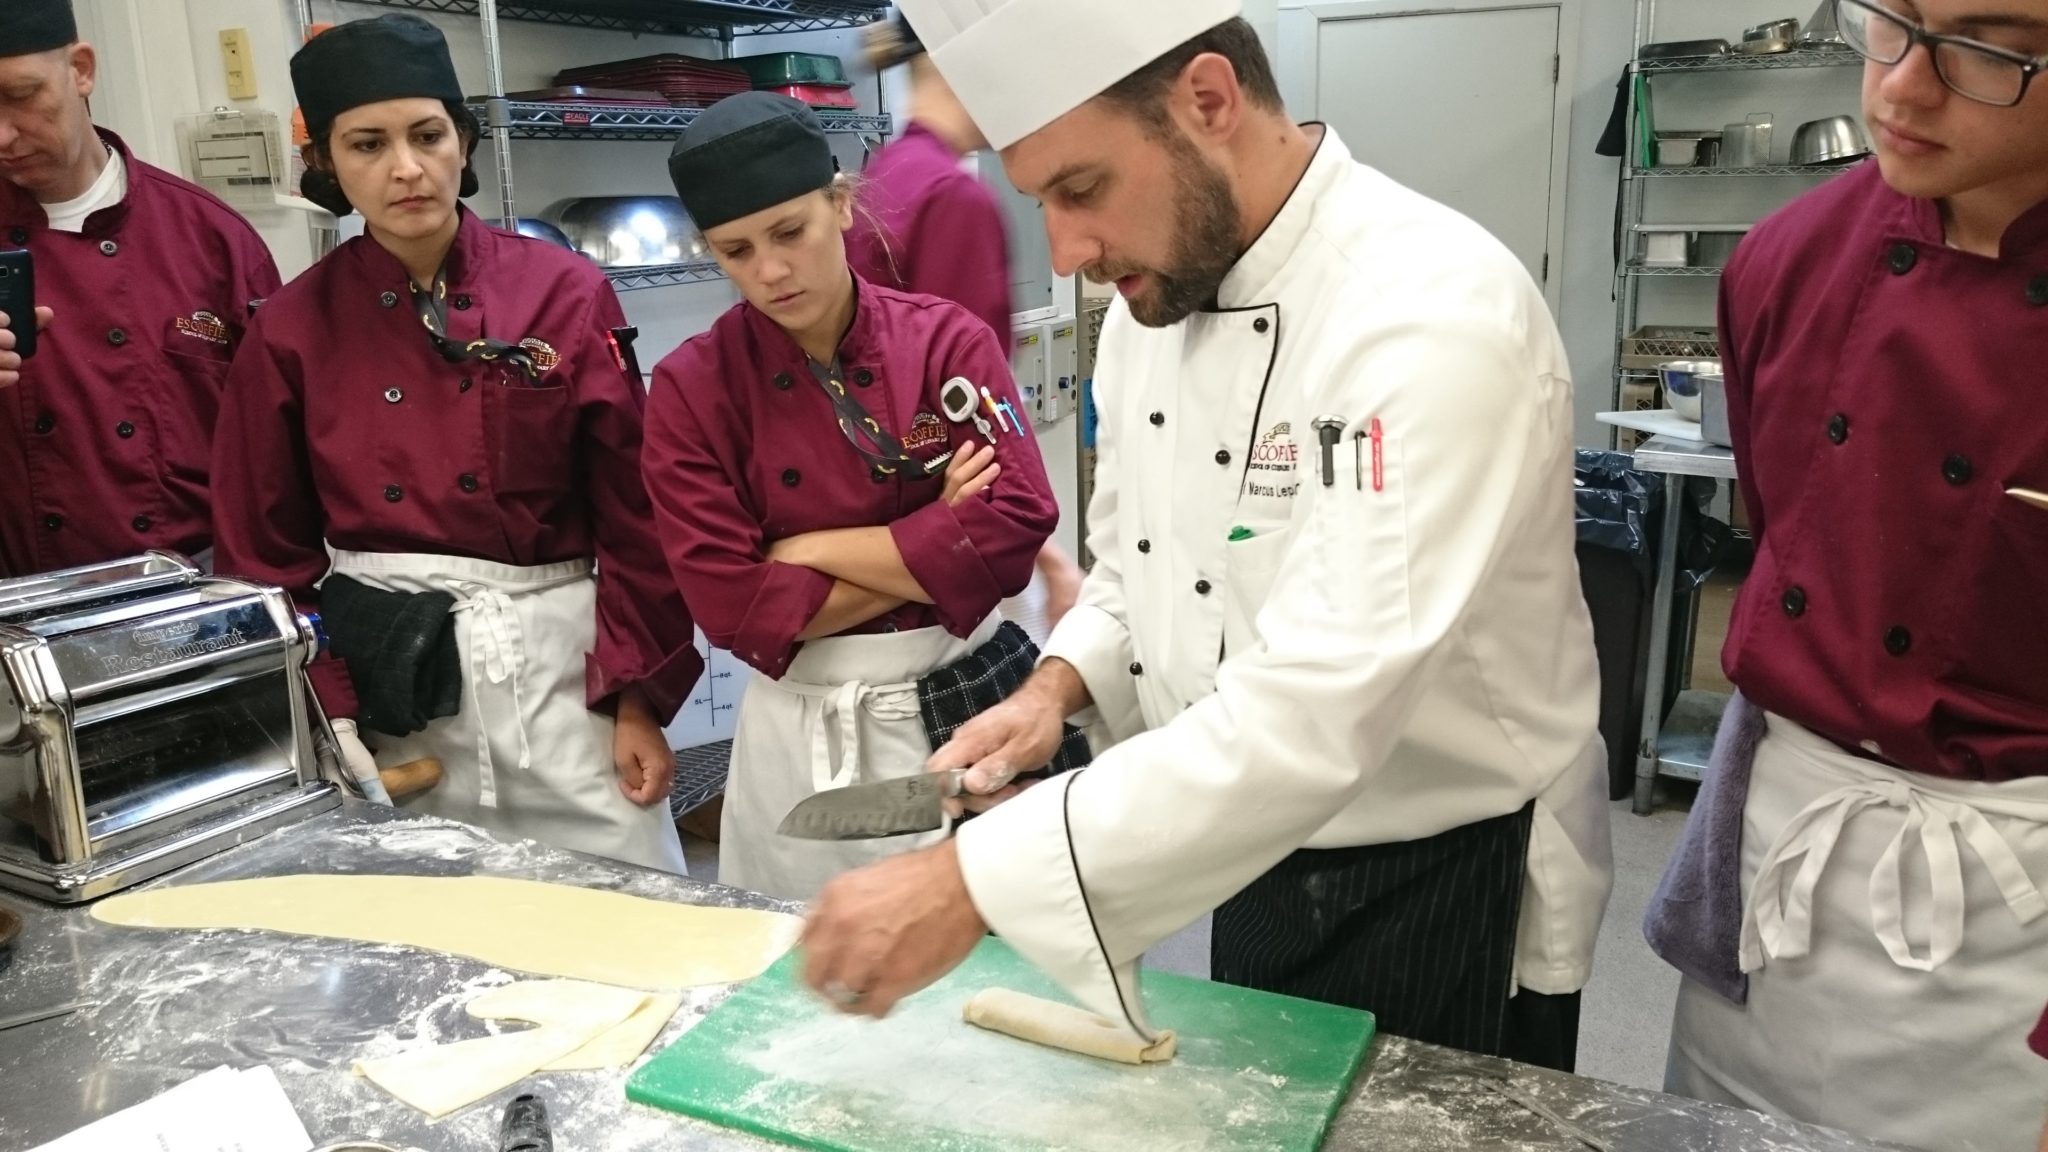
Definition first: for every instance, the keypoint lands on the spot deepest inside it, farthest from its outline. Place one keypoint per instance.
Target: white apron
(524, 757)
(845, 713)
(1899, 954)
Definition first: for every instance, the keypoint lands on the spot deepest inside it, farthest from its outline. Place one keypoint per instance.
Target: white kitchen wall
(149, 78)
(1606, 43)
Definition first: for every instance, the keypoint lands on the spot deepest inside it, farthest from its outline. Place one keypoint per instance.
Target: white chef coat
(1382, 659)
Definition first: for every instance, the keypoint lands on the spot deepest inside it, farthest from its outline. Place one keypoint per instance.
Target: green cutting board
(1255, 1071)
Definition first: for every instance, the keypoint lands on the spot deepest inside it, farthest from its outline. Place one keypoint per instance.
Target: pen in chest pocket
(1371, 432)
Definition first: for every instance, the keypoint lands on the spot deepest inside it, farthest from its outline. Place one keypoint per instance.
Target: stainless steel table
(1677, 745)
(174, 1005)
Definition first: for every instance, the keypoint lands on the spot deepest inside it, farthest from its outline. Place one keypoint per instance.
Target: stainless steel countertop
(174, 1005)
(1674, 457)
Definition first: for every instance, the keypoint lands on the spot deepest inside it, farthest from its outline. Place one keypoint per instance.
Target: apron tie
(499, 649)
(841, 712)
(1779, 923)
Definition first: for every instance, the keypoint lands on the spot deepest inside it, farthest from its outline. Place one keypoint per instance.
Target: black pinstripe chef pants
(1421, 934)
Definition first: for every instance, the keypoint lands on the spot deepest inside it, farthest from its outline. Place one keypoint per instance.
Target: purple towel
(1695, 919)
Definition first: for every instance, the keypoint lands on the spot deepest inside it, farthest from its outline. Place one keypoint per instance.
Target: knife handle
(952, 782)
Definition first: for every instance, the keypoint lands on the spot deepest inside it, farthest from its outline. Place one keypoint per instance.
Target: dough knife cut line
(38, 1015)
(1537, 1108)
(873, 811)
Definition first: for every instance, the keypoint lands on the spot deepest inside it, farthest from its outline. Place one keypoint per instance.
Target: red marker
(1379, 471)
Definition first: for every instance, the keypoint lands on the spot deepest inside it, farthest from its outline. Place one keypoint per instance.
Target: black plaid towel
(960, 691)
(400, 650)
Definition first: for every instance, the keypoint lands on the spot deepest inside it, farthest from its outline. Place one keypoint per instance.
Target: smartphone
(18, 298)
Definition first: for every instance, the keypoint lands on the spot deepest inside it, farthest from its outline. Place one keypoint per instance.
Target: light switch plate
(239, 62)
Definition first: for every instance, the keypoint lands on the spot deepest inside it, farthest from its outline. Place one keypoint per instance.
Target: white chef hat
(1018, 65)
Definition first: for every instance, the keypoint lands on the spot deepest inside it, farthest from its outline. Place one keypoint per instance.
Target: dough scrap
(1064, 1026)
(523, 925)
(444, 1078)
(555, 1003)
(573, 1018)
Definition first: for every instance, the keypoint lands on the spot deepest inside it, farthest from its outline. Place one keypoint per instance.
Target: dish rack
(1646, 347)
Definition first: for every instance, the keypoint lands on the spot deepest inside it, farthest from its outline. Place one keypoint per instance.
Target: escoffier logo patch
(1271, 471)
(204, 326)
(925, 431)
(544, 355)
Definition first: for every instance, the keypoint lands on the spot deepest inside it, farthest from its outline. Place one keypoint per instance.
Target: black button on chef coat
(1795, 602)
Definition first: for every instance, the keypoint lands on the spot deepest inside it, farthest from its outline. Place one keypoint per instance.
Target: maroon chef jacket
(927, 226)
(1883, 395)
(744, 448)
(106, 442)
(343, 425)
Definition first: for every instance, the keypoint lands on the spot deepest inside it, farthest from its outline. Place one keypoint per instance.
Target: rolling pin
(410, 779)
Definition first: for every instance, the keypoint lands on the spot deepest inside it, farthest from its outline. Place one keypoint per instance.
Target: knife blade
(873, 811)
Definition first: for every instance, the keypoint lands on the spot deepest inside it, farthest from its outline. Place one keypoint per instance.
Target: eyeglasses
(1974, 71)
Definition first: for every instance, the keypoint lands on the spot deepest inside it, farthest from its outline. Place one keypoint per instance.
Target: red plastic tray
(819, 97)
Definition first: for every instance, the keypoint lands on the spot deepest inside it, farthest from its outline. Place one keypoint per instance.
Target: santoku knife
(873, 811)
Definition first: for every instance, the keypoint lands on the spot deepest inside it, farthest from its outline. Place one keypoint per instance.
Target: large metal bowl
(1834, 140)
(630, 231)
(535, 228)
(1786, 29)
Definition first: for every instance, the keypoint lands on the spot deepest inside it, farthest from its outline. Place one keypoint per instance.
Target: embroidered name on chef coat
(1272, 469)
(204, 326)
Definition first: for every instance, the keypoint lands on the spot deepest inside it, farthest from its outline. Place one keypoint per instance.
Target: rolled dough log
(1064, 1026)
(544, 929)
(557, 1003)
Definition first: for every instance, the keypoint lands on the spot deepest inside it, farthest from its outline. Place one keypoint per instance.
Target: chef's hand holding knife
(10, 361)
(1019, 735)
(884, 932)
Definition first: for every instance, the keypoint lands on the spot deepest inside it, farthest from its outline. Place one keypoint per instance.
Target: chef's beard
(1205, 244)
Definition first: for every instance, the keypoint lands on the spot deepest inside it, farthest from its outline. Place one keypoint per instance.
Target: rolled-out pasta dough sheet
(1064, 1026)
(523, 925)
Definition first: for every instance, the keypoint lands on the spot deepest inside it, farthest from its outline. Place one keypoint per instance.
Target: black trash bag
(1703, 542)
(1620, 519)
(1622, 510)
(1619, 508)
